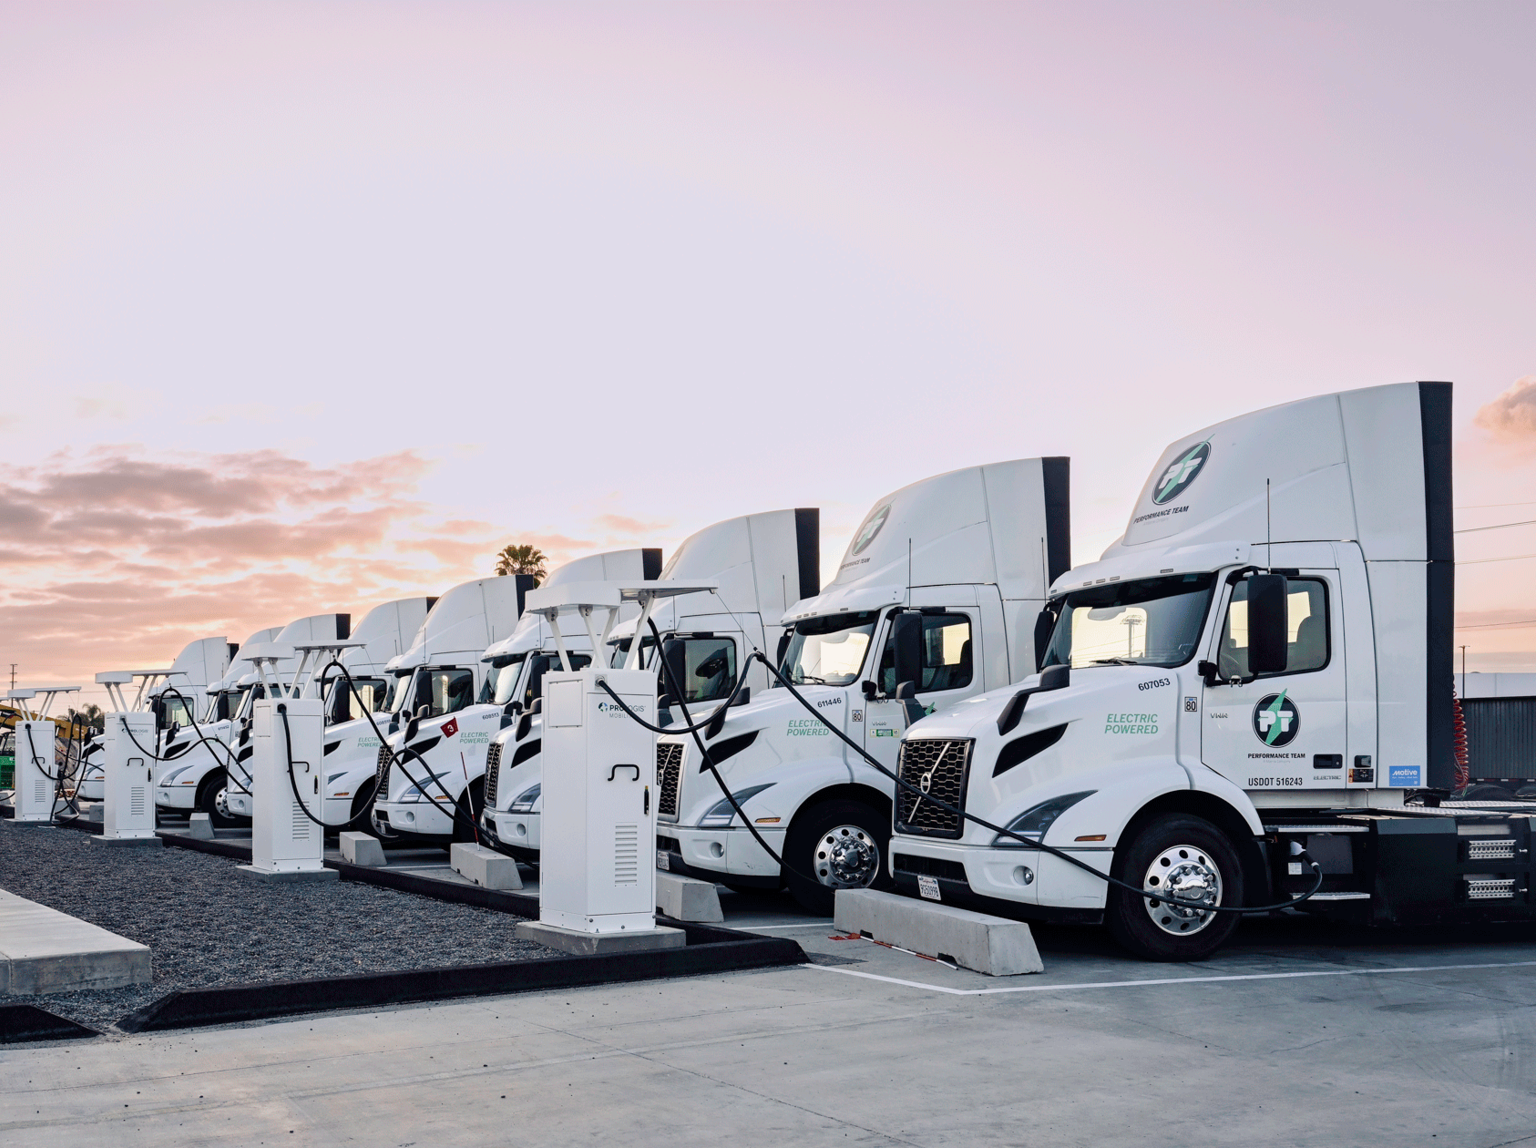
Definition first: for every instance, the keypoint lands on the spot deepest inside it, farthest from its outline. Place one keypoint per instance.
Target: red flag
(450, 727)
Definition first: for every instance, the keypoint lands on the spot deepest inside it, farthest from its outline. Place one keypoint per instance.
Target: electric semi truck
(455, 758)
(966, 558)
(199, 663)
(1256, 676)
(431, 683)
(194, 774)
(761, 564)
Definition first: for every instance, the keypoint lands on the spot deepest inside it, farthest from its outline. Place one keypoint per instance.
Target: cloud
(113, 558)
(1511, 417)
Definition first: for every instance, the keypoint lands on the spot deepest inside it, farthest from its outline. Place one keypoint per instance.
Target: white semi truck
(452, 760)
(761, 564)
(350, 746)
(201, 662)
(964, 558)
(1256, 676)
(203, 773)
(432, 682)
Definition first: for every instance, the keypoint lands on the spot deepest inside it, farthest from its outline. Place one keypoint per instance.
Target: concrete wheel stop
(994, 946)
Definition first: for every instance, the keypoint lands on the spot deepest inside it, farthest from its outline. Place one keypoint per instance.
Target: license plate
(928, 887)
(662, 860)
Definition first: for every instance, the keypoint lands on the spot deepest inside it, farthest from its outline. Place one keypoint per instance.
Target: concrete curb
(20, 1023)
(232, 1004)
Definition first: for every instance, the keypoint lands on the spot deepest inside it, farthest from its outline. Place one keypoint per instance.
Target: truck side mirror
(906, 694)
(907, 639)
(778, 657)
(1268, 625)
(1051, 678)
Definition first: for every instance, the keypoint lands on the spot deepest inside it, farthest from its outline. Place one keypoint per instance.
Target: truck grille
(492, 768)
(669, 776)
(1490, 888)
(938, 767)
(381, 776)
(1495, 848)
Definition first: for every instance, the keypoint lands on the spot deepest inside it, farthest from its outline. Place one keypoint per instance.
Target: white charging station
(285, 843)
(38, 777)
(128, 777)
(597, 876)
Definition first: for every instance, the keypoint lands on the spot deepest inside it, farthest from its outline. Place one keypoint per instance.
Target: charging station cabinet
(128, 776)
(283, 838)
(597, 872)
(35, 790)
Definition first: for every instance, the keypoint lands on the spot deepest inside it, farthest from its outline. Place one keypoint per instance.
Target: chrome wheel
(1188, 873)
(847, 858)
(221, 803)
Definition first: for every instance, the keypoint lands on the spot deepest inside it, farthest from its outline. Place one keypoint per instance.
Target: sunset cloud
(1511, 417)
(112, 559)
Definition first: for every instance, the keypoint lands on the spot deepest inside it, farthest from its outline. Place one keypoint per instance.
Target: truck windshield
(704, 667)
(829, 651)
(501, 680)
(399, 693)
(1148, 622)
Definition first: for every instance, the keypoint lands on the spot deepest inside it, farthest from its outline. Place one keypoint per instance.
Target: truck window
(1149, 621)
(1306, 621)
(620, 655)
(946, 655)
(829, 651)
(341, 705)
(709, 667)
(446, 691)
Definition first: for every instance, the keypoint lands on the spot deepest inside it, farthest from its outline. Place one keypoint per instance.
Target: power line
(1494, 625)
(1480, 561)
(1500, 526)
(1494, 505)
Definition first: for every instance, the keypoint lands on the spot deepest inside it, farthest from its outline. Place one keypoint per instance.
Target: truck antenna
(1269, 534)
(909, 573)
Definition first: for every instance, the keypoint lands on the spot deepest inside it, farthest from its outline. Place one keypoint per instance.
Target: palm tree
(523, 559)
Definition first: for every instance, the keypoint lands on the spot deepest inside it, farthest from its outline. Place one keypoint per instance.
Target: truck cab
(439, 677)
(967, 555)
(1256, 675)
(760, 564)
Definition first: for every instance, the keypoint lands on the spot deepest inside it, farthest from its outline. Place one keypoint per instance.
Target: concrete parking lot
(1299, 1033)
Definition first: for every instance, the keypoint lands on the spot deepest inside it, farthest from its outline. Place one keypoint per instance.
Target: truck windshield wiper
(813, 680)
(1114, 662)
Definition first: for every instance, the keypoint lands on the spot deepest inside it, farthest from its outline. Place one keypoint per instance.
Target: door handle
(624, 765)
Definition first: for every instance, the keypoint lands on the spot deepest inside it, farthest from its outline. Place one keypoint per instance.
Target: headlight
(1035, 820)
(525, 799)
(413, 792)
(720, 813)
(173, 775)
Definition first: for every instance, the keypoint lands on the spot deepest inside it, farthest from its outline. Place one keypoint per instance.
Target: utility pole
(13, 677)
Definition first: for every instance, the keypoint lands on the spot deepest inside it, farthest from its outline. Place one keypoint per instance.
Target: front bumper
(240, 802)
(515, 830)
(413, 818)
(1014, 882)
(176, 797)
(727, 855)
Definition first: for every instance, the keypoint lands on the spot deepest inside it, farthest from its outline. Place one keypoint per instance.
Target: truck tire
(842, 844)
(362, 801)
(208, 801)
(1201, 863)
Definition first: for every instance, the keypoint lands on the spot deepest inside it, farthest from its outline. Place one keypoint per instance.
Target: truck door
(951, 671)
(1282, 731)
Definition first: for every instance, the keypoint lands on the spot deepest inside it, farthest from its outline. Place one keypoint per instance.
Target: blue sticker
(1404, 775)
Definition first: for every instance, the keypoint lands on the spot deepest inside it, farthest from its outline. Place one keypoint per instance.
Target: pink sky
(304, 306)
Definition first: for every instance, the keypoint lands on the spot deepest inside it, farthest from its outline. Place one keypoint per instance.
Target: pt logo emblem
(1276, 721)
(1180, 473)
(450, 727)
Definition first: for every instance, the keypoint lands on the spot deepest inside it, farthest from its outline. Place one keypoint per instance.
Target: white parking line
(1170, 980)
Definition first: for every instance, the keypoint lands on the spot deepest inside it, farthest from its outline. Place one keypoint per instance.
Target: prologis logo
(1180, 473)
(870, 528)
(1276, 721)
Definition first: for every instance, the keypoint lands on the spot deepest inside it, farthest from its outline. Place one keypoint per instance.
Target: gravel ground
(207, 925)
